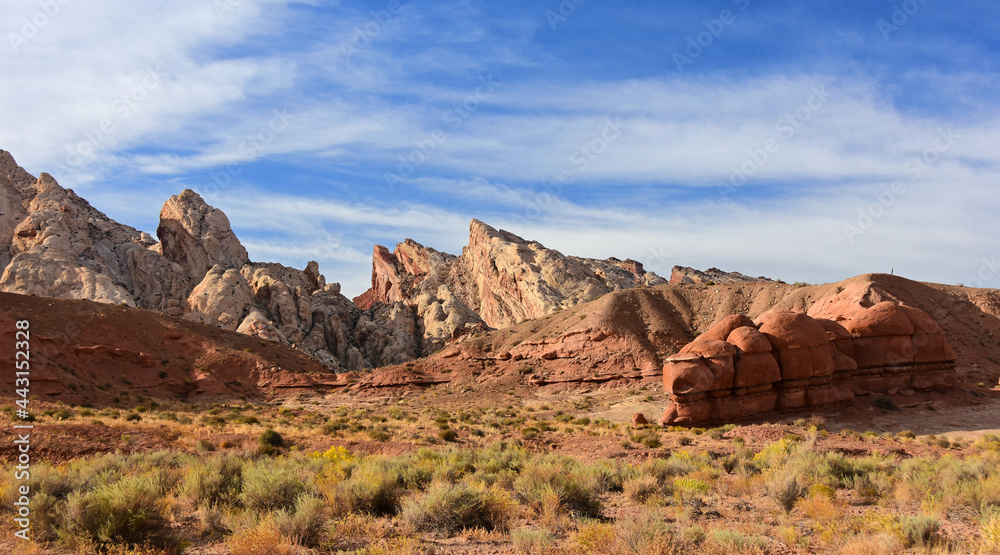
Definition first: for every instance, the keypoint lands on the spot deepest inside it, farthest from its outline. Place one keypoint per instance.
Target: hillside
(87, 352)
(627, 334)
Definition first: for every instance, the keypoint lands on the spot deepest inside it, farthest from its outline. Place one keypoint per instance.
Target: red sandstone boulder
(801, 344)
(833, 329)
(687, 374)
(638, 419)
(708, 348)
(721, 329)
(881, 320)
(748, 339)
(790, 330)
(755, 365)
(753, 369)
(794, 361)
(718, 357)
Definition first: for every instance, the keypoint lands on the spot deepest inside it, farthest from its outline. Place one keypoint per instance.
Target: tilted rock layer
(793, 361)
(499, 280)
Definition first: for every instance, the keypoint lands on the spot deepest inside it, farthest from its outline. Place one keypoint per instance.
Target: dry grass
(219, 484)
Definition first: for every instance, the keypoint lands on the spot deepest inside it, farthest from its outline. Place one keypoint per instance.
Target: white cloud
(220, 80)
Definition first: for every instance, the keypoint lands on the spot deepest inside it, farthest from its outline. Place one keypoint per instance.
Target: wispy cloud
(754, 157)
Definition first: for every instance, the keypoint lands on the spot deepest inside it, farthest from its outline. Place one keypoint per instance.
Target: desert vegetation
(248, 479)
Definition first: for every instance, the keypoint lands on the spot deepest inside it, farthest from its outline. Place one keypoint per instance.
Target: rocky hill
(499, 280)
(53, 243)
(628, 335)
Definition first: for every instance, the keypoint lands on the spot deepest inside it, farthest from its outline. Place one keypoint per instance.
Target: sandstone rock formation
(686, 275)
(791, 361)
(54, 244)
(196, 236)
(63, 247)
(499, 280)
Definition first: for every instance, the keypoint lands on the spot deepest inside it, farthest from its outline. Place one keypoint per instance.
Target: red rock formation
(790, 361)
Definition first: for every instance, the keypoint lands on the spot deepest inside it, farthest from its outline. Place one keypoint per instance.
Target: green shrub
(548, 481)
(303, 524)
(271, 438)
(217, 481)
(786, 491)
(919, 530)
(737, 542)
(646, 533)
(693, 534)
(269, 487)
(374, 487)
(450, 508)
(379, 435)
(644, 488)
(533, 540)
(127, 511)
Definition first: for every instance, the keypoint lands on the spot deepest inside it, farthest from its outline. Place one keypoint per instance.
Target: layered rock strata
(499, 280)
(791, 361)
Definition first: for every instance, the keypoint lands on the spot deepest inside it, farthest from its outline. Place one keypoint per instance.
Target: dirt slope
(87, 352)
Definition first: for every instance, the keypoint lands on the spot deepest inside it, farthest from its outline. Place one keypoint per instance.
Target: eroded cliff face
(197, 237)
(54, 244)
(60, 246)
(499, 280)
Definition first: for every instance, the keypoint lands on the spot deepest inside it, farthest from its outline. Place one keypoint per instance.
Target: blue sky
(808, 143)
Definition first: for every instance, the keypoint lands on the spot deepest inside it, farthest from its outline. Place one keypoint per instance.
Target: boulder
(793, 361)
